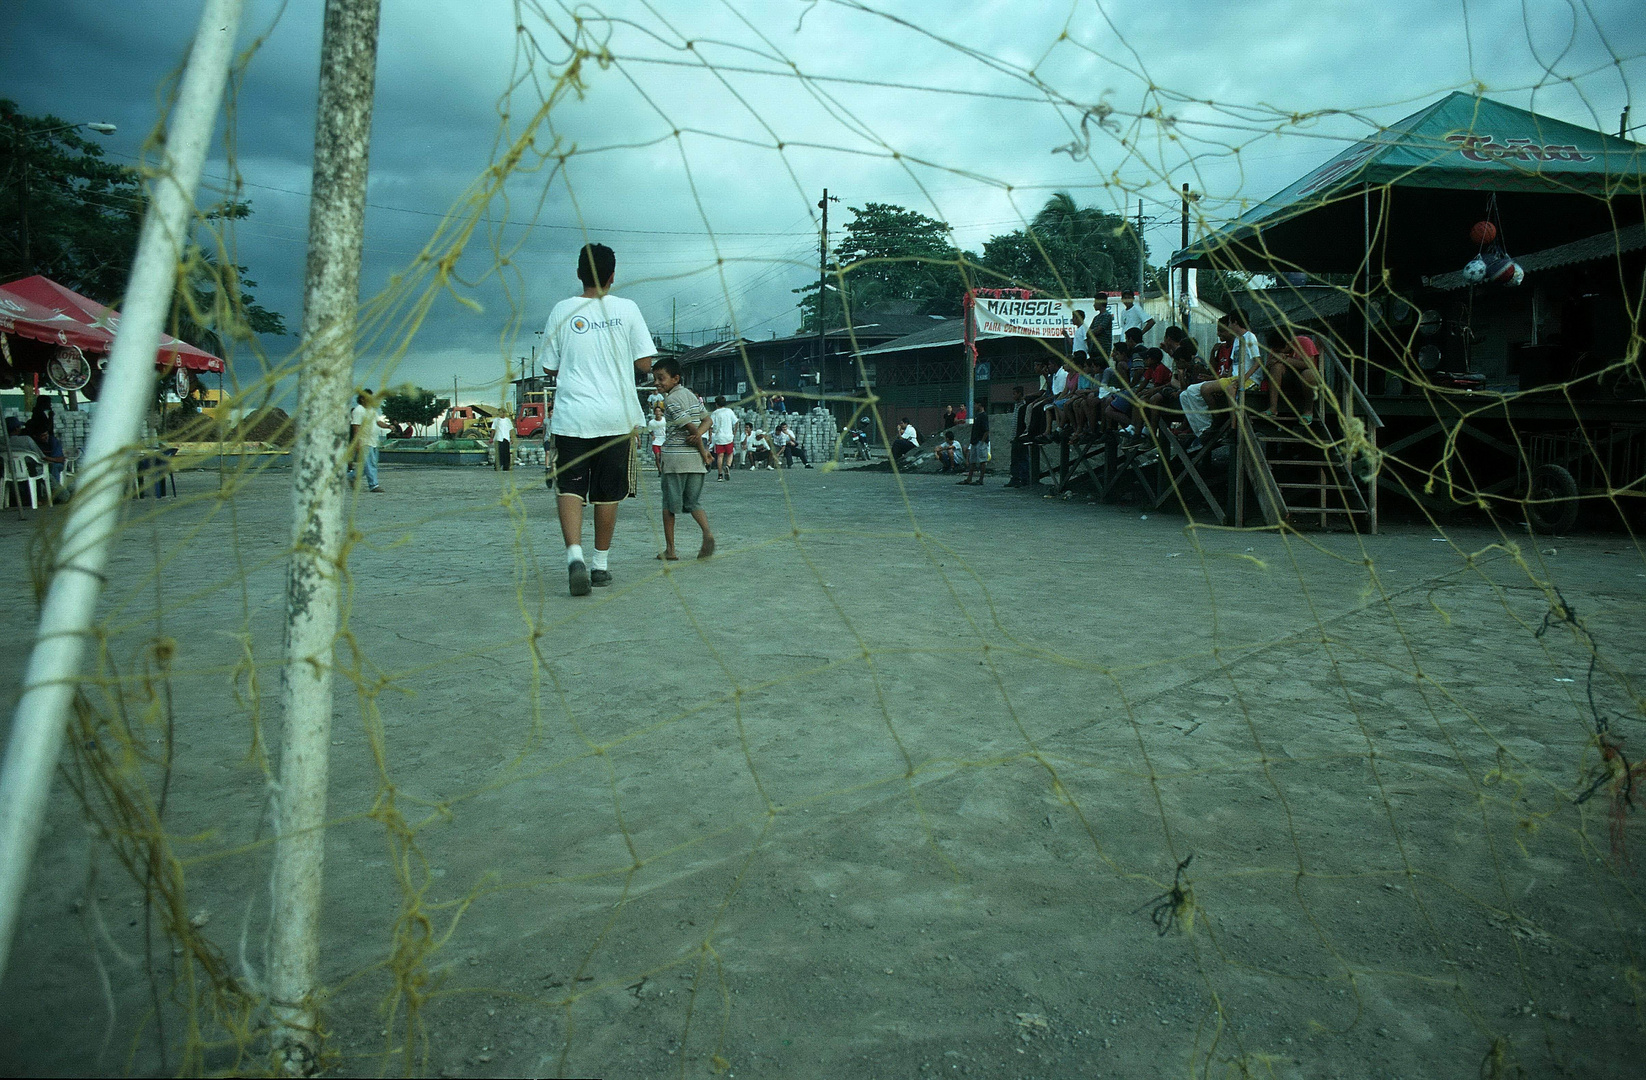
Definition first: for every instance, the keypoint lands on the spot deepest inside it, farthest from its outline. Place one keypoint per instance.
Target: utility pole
(1140, 252)
(1623, 124)
(823, 281)
(1183, 286)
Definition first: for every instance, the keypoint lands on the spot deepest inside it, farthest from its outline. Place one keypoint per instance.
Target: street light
(23, 159)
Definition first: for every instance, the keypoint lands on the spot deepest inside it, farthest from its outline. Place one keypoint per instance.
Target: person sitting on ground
(760, 450)
(789, 444)
(1295, 360)
(977, 454)
(906, 440)
(950, 453)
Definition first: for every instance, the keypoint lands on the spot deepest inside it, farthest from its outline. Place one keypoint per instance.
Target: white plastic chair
(27, 467)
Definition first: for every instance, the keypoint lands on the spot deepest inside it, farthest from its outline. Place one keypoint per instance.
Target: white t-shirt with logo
(659, 429)
(502, 429)
(593, 342)
(366, 420)
(723, 422)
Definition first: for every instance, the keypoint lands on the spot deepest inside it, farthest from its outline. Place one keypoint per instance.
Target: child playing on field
(685, 458)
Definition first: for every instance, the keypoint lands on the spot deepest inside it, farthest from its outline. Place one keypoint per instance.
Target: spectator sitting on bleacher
(1295, 360)
(1154, 391)
(948, 452)
(1119, 407)
(1239, 366)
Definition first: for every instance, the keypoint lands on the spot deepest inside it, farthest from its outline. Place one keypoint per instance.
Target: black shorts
(595, 470)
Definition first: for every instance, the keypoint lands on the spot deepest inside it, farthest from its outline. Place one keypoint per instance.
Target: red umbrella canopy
(25, 318)
(69, 307)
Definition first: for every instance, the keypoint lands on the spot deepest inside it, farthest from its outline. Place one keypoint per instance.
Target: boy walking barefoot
(684, 458)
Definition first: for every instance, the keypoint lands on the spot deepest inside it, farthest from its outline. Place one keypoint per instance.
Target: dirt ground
(891, 787)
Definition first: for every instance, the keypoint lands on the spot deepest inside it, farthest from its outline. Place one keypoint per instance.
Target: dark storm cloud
(444, 65)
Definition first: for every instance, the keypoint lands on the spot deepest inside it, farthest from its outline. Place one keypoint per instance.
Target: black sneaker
(578, 573)
(600, 578)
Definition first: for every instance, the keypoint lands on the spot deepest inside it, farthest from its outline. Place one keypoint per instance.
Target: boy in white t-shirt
(722, 438)
(597, 343)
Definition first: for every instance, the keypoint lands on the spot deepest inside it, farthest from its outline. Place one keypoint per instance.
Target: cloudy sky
(701, 146)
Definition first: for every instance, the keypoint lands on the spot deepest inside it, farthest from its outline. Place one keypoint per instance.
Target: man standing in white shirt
(366, 427)
(1131, 314)
(502, 433)
(722, 438)
(597, 343)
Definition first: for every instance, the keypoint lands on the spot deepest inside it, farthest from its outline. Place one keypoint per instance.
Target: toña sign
(1487, 148)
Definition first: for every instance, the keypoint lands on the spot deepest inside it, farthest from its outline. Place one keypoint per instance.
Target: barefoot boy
(684, 458)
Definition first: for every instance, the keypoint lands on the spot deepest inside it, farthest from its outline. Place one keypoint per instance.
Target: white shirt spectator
(1245, 358)
(1129, 318)
(366, 420)
(659, 428)
(1059, 381)
(502, 429)
(909, 433)
(593, 342)
(722, 423)
(783, 438)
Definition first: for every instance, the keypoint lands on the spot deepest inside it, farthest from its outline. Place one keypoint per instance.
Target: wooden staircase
(1301, 474)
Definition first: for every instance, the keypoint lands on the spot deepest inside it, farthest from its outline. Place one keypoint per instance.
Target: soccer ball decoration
(1505, 271)
(1474, 272)
(1483, 233)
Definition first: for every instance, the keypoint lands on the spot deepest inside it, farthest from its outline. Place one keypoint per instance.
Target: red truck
(531, 419)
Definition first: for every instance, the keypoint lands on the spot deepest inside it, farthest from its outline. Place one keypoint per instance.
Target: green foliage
(64, 211)
(413, 405)
(67, 213)
(889, 254)
(1067, 250)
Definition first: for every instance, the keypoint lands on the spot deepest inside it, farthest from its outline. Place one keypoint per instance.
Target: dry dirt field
(891, 787)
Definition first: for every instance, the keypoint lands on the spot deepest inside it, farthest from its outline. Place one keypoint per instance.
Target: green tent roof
(1461, 142)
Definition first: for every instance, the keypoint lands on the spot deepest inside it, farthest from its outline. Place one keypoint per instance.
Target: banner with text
(1042, 317)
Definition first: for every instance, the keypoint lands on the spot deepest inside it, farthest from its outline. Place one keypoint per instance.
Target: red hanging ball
(1484, 232)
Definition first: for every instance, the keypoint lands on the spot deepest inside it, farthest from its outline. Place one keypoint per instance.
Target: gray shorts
(978, 453)
(682, 492)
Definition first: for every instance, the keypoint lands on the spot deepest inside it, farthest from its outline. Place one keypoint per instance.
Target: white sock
(574, 553)
(600, 559)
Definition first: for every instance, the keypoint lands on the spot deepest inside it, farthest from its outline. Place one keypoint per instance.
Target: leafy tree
(214, 303)
(1067, 250)
(67, 213)
(890, 254)
(413, 405)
